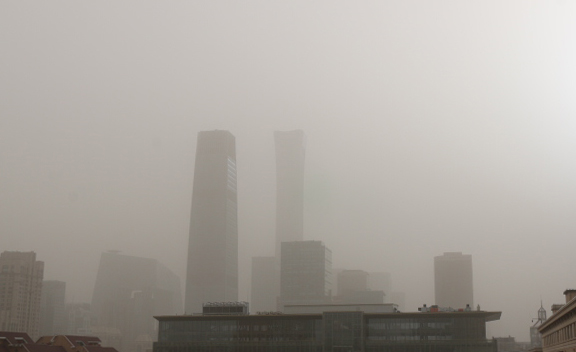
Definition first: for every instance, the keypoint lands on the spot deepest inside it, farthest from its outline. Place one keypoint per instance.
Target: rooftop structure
(21, 342)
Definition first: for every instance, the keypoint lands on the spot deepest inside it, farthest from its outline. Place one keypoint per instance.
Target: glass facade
(331, 331)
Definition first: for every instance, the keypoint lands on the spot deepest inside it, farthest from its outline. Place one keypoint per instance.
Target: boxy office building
(351, 330)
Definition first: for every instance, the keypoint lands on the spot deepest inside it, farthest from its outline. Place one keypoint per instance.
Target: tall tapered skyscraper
(290, 151)
(213, 246)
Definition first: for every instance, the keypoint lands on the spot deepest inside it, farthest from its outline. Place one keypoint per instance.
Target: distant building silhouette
(53, 308)
(265, 287)
(213, 247)
(290, 152)
(305, 271)
(353, 289)
(129, 291)
(380, 281)
(79, 319)
(20, 292)
(453, 284)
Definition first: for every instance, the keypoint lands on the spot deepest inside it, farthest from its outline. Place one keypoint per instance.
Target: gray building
(305, 271)
(20, 292)
(334, 331)
(453, 284)
(290, 152)
(265, 284)
(129, 291)
(212, 271)
(53, 308)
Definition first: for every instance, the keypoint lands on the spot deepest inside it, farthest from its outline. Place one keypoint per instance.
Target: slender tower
(213, 246)
(290, 150)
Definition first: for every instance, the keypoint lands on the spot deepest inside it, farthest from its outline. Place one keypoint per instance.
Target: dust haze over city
(430, 127)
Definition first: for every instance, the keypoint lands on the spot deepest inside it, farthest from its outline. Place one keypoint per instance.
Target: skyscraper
(305, 271)
(453, 280)
(53, 308)
(20, 292)
(213, 246)
(290, 151)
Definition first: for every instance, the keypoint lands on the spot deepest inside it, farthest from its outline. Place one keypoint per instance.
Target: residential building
(212, 271)
(453, 283)
(559, 330)
(129, 291)
(53, 308)
(350, 329)
(20, 292)
(22, 342)
(290, 153)
(305, 271)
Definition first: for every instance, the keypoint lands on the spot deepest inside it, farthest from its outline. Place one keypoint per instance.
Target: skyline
(430, 128)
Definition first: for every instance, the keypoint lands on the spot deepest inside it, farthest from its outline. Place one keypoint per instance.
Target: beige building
(453, 284)
(20, 292)
(559, 331)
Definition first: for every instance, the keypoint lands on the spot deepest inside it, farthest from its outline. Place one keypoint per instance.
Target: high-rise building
(20, 292)
(453, 280)
(305, 271)
(265, 286)
(53, 308)
(129, 291)
(290, 151)
(213, 247)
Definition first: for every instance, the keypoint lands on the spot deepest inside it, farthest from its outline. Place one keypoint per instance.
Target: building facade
(559, 330)
(20, 292)
(305, 271)
(336, 331)
(212, 271)
(453, 282)
(265, 284)
(129, 291)
(53, 308)
(290, 152)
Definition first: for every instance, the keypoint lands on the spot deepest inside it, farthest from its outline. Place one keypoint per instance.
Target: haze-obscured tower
(53, 308)
(290, 151)
(305, 271)
(20, 292)
(213, 248)
(129, 291)
(265, 284)
(453, 285)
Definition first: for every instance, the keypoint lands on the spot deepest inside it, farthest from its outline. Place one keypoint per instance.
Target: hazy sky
(432, 126)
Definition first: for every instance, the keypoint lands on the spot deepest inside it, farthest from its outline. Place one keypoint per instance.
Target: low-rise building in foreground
(559, 330)
(345, 330)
